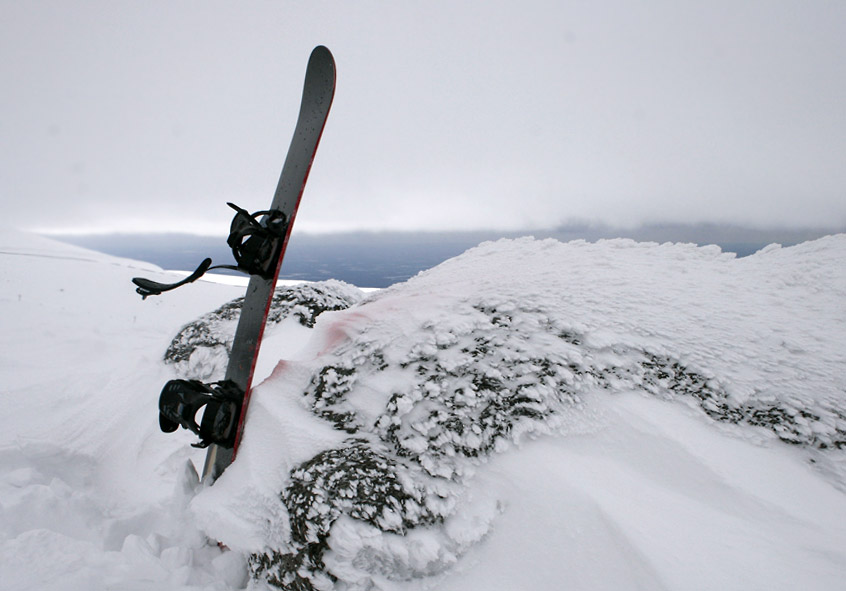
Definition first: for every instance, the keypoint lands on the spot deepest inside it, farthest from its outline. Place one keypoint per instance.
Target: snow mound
(201, 349)
(425, 384)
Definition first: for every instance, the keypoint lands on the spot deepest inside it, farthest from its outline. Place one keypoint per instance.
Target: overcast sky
(142, 115)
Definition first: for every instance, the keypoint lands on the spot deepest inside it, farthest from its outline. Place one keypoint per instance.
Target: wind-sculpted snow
(432, 378)
(201, 349)
(820, 424)
(457, 390)
(529, 415)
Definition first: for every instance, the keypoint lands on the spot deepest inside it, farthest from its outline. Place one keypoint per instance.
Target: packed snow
(528, 415)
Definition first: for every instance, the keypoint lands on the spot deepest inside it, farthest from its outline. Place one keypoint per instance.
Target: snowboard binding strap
(148, 287)
(256, 246)
(180, 401)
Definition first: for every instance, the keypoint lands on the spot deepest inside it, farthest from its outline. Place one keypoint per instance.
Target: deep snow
(614, 415)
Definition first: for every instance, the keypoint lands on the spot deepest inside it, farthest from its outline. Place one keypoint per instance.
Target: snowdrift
(530, 414)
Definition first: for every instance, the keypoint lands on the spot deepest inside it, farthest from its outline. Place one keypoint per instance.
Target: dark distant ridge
(379, 259)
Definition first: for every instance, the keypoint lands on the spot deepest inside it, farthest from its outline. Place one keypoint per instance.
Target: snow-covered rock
(201, 349)
(514, 341)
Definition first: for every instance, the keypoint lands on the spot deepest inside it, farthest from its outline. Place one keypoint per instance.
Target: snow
(531, 414)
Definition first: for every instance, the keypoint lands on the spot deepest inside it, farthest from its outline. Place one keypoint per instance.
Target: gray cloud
(448, 114)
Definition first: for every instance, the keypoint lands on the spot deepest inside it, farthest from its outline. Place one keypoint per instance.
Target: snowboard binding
(256, 245)
(181, 400)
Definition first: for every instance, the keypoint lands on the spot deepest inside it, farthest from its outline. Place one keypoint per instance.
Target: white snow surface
(625, 484)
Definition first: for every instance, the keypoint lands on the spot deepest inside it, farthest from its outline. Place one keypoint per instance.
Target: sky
(148, 116)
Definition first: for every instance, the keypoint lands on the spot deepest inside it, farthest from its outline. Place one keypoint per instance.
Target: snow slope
(529, 415)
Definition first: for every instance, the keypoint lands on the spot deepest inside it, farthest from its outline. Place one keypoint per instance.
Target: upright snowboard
(318, 91)
(259, 246)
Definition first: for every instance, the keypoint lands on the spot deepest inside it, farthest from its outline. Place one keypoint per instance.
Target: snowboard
(318, 92)
(259, 245)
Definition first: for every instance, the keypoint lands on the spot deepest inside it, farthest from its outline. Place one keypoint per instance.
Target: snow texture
(531, 414)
